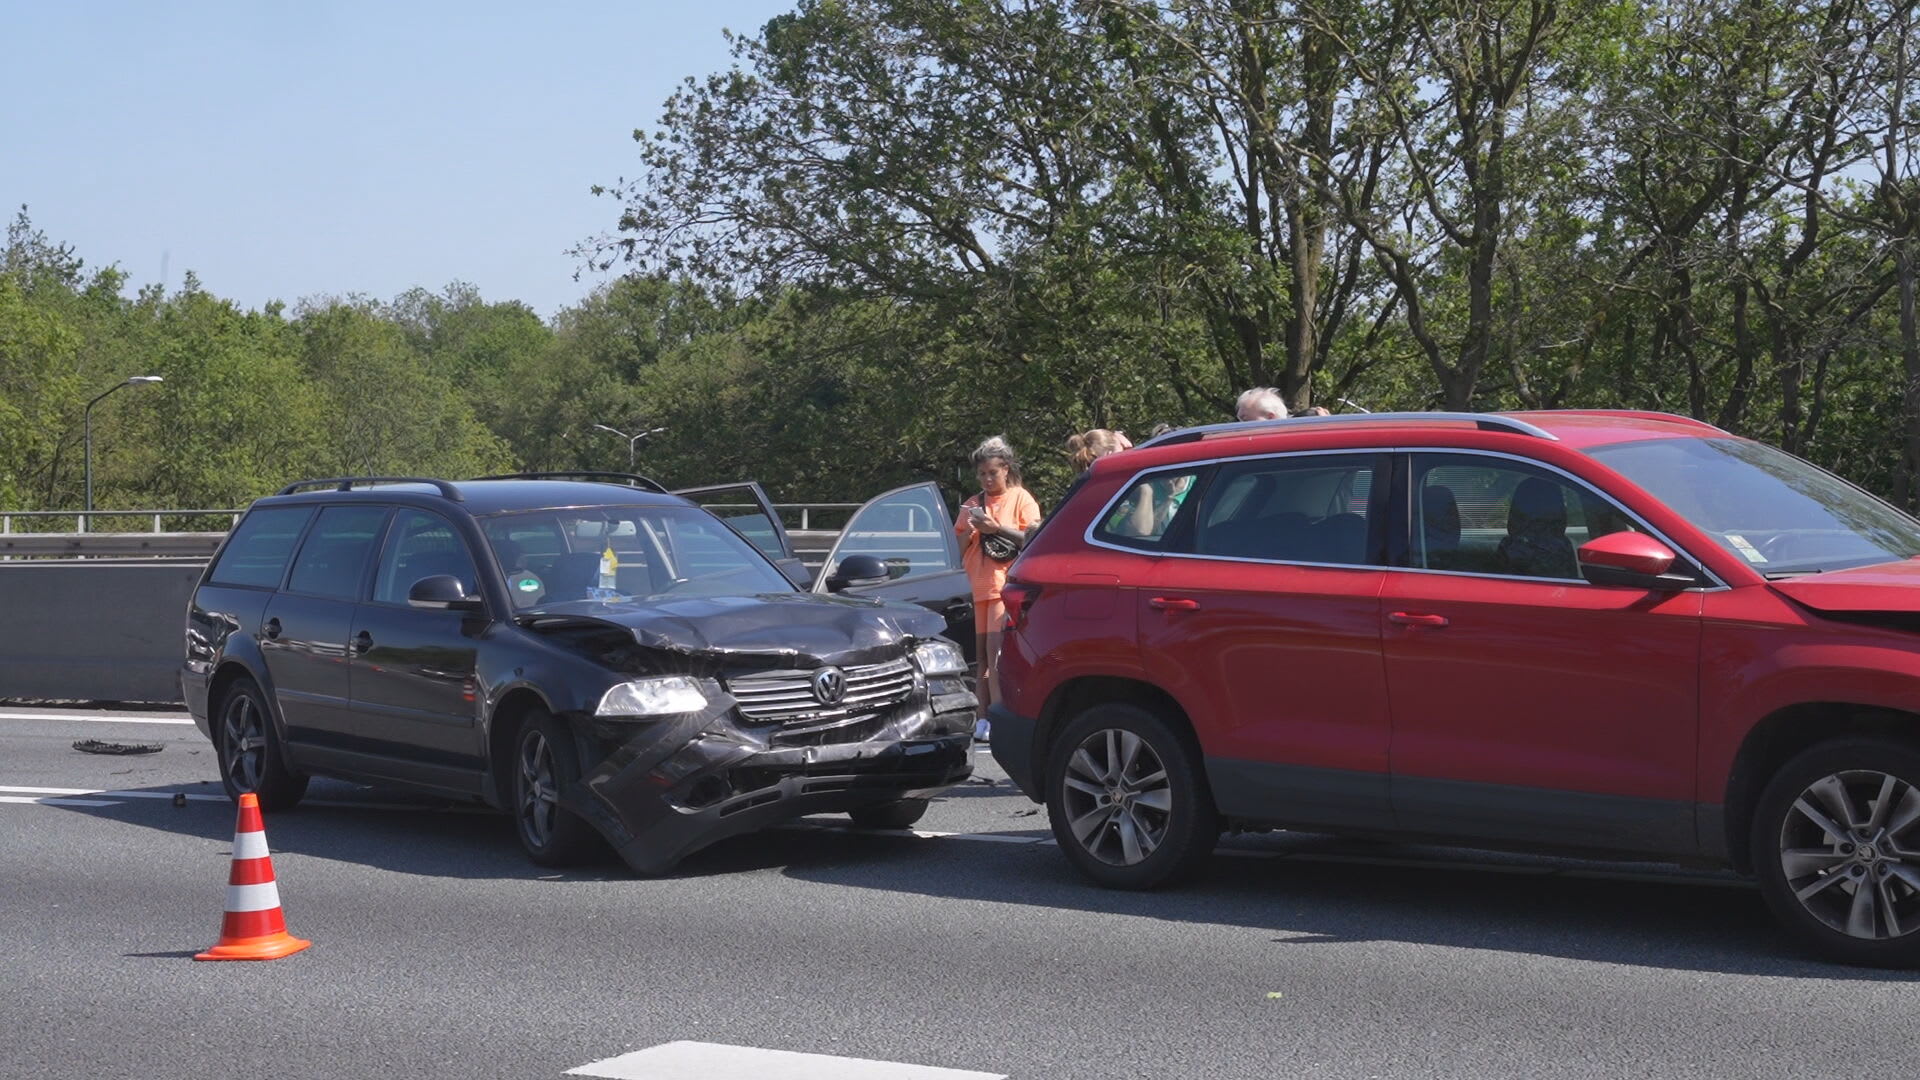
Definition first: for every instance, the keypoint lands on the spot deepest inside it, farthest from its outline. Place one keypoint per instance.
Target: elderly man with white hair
(1260, 403)
(1265, 403)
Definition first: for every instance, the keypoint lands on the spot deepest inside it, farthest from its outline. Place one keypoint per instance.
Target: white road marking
(77, 718)
(48, 800)
(192, 796)
(717, 1061)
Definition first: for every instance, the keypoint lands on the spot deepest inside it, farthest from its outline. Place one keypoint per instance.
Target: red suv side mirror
(1630, 558)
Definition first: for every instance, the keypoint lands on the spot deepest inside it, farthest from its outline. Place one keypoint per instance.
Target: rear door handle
(272, 629)
(1408, 618)
(1174, 603)
(362, 641)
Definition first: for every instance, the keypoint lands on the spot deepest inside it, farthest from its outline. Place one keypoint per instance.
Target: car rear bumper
(660, 795)
(1011, 738)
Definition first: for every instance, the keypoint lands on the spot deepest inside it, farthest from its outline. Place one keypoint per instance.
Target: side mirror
(858, 570)
(1631, 559)
(441, 591)
(898, 567)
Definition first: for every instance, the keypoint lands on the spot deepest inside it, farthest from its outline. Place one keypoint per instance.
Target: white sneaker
(981, 730)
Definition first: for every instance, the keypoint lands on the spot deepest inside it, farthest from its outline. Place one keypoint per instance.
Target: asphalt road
(439, 952)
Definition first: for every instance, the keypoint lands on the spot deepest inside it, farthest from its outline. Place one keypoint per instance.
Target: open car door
(910, 530)
(747, 509)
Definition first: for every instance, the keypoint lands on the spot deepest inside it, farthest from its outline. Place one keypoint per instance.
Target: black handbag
(997, 546)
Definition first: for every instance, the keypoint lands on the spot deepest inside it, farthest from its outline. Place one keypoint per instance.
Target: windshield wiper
(1782, 575)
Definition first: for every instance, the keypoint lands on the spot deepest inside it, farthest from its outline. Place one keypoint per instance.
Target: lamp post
(86, 416)
(632, 440)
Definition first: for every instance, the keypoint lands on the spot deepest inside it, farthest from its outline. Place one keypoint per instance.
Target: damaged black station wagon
(589, 656)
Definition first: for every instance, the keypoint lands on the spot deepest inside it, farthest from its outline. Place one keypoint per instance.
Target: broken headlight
(652, 697)
(940, 658)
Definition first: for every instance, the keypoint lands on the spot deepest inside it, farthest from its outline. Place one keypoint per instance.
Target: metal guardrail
(110, 545)
(81, 518)
(84, 521)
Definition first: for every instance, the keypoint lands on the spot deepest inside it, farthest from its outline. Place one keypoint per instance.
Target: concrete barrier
(93, 631)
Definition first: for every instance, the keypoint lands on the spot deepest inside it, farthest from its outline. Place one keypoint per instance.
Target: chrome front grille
(787, 697)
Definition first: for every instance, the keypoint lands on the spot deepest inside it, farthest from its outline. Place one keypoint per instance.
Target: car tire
(898, 814)
(249, 752)
(545, 764)
(1835, 844)
(1127, 799)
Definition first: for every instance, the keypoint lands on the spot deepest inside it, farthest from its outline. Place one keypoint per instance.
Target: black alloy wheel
(1836, 847)
(250, 759)
(898, 814)
(544, 765)
(1127, 799)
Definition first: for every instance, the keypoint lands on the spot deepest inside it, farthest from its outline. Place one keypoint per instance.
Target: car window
(1148, 509)
(333, 560)
(624, 553)
(739, 509)
(1493, 516)
(257, 553)
(1781, 515)
(1313, 508)
(421, 545)
(905, 529)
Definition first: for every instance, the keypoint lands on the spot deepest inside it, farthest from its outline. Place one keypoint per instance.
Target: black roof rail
(347, 483)
(1484, 421)
(630, 479)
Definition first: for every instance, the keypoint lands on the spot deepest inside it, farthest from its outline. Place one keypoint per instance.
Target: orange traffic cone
(254, 928)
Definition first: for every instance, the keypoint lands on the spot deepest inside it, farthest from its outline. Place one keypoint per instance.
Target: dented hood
(799, 630)
(1883, 587)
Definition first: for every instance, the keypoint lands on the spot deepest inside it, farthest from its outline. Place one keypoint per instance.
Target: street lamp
(632, 440)
(86, 416)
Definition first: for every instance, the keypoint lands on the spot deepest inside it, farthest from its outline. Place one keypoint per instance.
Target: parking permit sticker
(1740, 544)
(528, 584)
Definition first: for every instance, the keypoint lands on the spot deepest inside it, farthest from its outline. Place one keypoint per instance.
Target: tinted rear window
(257, 554)
(333, 561)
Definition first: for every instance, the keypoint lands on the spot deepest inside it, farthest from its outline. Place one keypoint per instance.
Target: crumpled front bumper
(663, 789)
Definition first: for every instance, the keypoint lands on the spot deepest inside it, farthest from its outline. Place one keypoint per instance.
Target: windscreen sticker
(1740, 544)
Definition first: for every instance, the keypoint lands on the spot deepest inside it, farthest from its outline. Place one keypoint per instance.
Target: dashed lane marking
(718, 1061)
(46, 796)
(75, 718)
(192, 796)
(48, 800)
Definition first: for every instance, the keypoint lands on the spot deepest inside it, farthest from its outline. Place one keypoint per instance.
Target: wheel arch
(1079, 694)
(229, 672)
(503, 725)
(1785, 733)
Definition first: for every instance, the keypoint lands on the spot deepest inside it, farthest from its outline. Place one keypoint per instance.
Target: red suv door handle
(1408, 618)
(1174, 603)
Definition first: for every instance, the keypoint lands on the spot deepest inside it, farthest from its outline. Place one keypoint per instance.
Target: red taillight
(1017, 597)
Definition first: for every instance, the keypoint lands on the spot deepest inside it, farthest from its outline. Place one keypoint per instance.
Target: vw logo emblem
(829, 685)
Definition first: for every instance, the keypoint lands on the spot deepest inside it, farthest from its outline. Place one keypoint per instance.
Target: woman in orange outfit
(1002, 508)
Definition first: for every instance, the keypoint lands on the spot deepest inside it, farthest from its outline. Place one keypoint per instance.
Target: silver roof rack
(348, 483)
(1484, 421)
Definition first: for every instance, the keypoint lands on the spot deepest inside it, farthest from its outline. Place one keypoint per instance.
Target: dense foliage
(895, 226)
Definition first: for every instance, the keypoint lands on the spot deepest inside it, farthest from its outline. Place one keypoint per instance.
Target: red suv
(1605, 633)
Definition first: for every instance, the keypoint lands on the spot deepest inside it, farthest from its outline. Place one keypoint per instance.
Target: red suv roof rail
(1484, 421)
(1646, 414)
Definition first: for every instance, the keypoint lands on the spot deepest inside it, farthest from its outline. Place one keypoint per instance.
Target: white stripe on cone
(259, 897)
(250, 845)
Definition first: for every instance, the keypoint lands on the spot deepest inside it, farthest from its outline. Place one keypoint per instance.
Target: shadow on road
(1307, 890)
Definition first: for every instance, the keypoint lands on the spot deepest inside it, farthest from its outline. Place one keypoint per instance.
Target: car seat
(1536, 543)
(1440, 527)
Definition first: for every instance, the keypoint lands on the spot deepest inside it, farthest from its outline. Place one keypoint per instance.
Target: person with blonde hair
(1087, 447)
(992, 526)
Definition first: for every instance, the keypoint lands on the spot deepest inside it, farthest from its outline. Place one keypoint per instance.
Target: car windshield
(1782, 515)
(623, 553)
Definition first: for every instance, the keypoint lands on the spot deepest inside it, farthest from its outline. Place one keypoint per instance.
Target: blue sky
(284, 150)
